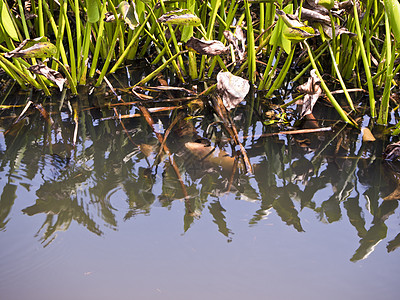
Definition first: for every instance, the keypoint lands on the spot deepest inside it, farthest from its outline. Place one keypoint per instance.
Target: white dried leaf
(233, 89)
(312, 92)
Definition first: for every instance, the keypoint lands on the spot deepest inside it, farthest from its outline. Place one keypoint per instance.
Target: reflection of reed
(59, 200)
(327, 173)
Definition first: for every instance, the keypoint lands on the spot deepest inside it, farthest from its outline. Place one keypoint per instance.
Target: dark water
(108, 219)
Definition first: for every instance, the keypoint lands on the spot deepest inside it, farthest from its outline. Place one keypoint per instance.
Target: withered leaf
(44, 113)
(392, 177)
(38, 47)
(128, 13)
(315, 16)
(348, 6)
(320, 15)
(109, 17)
(204, 47)
(338, 31)
(233, 89)
(180, 17)
(49, 73)
(367, 135)
(234, 40)
(312, 92)
(315, 6)
(35, 48)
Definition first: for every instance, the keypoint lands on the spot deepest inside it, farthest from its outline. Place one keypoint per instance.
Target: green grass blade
(251, 55)
(366, 66)
(384, 107)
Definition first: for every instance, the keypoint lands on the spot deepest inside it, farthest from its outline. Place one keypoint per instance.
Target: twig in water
(231, 129)
(160, 138)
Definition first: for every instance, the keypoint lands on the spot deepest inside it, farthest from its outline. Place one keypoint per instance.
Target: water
(101, 220)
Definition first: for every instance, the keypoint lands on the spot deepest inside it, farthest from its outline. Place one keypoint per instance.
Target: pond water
(107, 218)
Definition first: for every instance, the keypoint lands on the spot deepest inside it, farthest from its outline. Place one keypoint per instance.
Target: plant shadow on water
(334, 174)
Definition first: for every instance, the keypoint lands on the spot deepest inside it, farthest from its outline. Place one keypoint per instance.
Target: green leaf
(187, 31)
(392, 9)
(277, 34)
(293, 29)
(297, 34)
(92, 8)
(7, 22)
(180, 17)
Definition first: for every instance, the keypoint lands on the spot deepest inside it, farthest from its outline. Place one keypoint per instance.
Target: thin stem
(328, 93)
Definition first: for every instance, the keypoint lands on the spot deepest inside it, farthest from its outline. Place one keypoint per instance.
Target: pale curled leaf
(277, 38)
(49, 73)
(25, 44)
(36, 48)
(233, 89)
(312, 92)
(128, 13)
(180, 17)
(203, 47)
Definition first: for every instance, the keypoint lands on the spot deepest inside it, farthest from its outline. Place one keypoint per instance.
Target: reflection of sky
(149, 257)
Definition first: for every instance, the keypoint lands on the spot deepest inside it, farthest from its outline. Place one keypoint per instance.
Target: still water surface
(102, 220)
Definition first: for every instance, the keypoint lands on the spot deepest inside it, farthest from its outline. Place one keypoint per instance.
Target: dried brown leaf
(109, 17)
(204, 47)
(315, 15)
(237, 40)
(367, 135)
(49, 73)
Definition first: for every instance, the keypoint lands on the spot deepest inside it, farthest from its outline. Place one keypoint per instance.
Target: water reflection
(333, 174)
